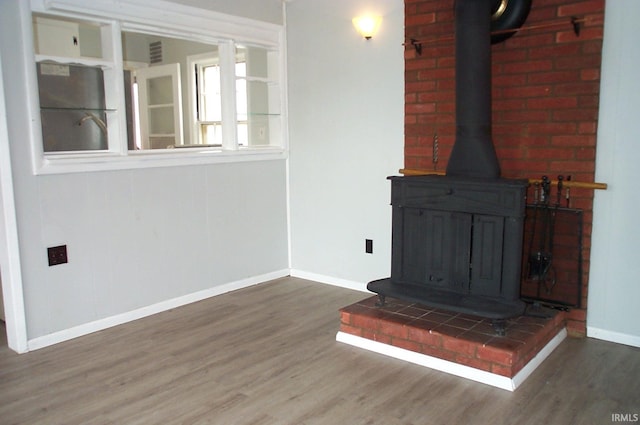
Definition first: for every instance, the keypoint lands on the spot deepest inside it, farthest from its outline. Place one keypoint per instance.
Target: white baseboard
(330, 280)
(98, 325)
(611, 336)
(498, 381)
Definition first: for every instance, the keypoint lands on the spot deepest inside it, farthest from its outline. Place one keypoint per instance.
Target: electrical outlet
(57, 255)
(368, 246)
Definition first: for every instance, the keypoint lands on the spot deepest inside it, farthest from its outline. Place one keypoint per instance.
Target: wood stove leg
(500, 325)
(381, 300)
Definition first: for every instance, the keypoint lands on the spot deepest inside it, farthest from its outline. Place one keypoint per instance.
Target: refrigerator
(72, 107)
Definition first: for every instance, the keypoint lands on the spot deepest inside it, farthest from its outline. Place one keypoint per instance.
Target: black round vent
(506, 15)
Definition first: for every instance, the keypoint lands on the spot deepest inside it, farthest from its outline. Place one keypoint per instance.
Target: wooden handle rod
(565, 183)
(413, 172)
(571, 183)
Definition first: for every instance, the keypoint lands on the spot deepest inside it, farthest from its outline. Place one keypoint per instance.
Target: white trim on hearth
(498, 381)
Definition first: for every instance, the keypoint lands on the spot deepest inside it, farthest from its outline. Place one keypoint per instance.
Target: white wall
(346, 131)
(135, 238)
(614, 291)
(140, 237)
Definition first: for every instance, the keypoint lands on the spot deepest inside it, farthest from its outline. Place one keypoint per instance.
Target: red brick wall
(545, 98)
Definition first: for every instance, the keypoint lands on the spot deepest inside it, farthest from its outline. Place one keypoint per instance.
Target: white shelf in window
(79, 60)
(259, 80)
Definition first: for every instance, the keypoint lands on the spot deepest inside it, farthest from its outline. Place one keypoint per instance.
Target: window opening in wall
(163, 89)
(257, 96)
(73, 74)
(202, 91)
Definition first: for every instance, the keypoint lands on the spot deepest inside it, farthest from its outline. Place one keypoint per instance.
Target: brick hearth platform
(443, 339)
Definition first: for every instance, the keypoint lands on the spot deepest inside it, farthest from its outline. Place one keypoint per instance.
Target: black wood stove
(457, 239)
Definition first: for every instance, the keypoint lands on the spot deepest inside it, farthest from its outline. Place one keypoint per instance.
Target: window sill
(107, 161)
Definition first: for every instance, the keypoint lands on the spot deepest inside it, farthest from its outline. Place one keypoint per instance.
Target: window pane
(262, 113)
(257, 96)
(212, 134)
(211, 101)
(241, 97)
(261, 63)
(261, 98)
(243, 134)
(161, 120)
(160, 91)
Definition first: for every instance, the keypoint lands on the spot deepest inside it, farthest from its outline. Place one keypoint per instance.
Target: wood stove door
(432, 248)
(460, 233)
(409, 249)
(486, 255)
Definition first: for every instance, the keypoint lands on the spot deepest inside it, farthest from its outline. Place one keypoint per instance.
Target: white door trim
(10, 269)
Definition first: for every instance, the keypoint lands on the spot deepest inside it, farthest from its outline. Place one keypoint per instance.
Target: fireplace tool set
(541, 262)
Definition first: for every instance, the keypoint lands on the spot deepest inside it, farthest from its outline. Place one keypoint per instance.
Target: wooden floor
(268, 355)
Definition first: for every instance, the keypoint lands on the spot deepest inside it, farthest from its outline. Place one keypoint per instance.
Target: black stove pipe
(473, 154)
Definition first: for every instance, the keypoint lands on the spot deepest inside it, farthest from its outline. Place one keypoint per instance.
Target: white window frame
(194, 98)
(200, 61)
(168, 20)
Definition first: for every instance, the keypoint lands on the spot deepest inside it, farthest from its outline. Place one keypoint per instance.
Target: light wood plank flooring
(268, 355)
